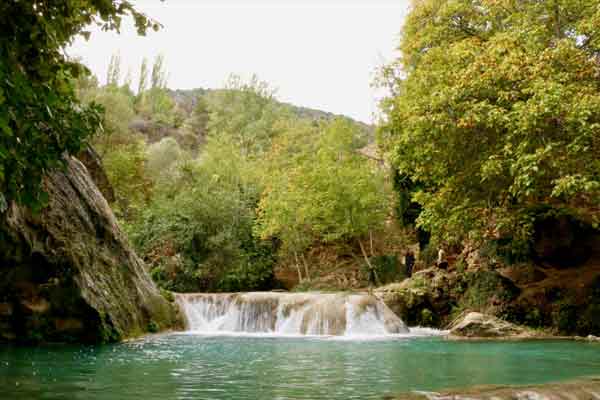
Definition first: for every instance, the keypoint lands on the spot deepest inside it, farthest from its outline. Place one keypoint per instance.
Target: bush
(153, 327)
(485, 287)
(197, 233)
(388, 268)
(428, 256)
(161, 157)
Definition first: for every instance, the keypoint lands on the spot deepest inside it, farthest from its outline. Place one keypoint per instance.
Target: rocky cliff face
(69, 274)
(93, 164)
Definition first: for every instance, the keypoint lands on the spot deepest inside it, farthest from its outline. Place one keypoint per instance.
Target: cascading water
(290, 314)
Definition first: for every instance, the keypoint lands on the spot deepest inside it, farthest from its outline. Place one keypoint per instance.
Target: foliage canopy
(40, 115)
(495, 109)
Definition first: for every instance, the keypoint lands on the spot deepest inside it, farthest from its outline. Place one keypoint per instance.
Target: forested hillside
(217, 187)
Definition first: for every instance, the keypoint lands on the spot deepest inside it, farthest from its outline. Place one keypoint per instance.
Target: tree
(143, 82)
(162, 157)
(323, 189)
(282, 211)
(156, 103)
(40, 116)
(200, 117)
(127, 171)
(197, 231)
(113, 74)
(158, 79)
(246, 114)
(495, 110)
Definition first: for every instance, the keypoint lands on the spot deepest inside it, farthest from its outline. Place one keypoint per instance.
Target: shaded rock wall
(562, 241)
(69, 274)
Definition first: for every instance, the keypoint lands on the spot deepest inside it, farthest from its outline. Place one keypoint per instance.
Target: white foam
(318, 315)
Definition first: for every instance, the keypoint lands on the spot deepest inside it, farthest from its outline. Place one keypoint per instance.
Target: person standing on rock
(442, 263)
(409, 262)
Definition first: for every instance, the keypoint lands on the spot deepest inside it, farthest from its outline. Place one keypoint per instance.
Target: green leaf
(5, 128)
(3, 203)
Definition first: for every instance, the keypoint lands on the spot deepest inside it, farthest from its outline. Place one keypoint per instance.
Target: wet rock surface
(68, 272)
(585, 389)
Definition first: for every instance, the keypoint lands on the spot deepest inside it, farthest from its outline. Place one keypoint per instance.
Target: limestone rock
(478, 325)
(93, 164)
(422, 299)
(68, 272)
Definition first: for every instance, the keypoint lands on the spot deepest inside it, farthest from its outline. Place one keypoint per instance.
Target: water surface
(185, 366)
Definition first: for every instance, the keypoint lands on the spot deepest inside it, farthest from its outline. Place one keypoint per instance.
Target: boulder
(68, 272)
(422, 300)
(478, 325)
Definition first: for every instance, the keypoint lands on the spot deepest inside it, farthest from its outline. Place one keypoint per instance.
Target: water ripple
(192, 367)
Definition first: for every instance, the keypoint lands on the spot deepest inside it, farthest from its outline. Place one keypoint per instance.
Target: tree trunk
(305, 266)
(298, 267)
(557, 21)
(366, 257)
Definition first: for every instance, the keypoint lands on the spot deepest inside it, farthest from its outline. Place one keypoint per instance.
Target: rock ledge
(478, 325)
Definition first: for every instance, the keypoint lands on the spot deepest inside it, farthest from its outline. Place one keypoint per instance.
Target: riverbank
(581, 389)
(548, 301)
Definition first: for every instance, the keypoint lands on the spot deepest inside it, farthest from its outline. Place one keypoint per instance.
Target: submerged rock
(478, 325)
(69, 274)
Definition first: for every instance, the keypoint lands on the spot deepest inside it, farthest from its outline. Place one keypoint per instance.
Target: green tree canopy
(320, 188)
(40, 116)
(162, 157)
(206, 216)
(495, 108)
(245, 113)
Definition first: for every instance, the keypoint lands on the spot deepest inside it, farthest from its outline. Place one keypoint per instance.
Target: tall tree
(322, 189)
(113, 74)
(496, 110)
(143, 82)
(40, 116)
(245, 113)
(158, 79)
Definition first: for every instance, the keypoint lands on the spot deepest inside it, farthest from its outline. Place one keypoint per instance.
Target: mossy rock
(71, 262)
(487, 288)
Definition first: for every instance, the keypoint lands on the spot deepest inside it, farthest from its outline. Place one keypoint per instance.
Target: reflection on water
(204, 367)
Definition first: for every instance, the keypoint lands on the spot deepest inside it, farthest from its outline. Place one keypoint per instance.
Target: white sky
(319, 54)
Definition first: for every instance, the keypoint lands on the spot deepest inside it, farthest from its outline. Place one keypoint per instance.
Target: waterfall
(290, 314)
